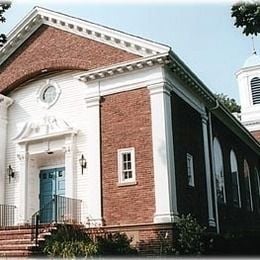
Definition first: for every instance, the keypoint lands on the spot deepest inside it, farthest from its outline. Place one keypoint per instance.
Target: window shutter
(255, 88)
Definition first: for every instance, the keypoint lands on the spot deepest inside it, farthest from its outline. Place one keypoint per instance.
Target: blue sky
(201, 34)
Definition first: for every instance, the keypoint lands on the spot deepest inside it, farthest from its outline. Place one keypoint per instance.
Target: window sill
(130, 183)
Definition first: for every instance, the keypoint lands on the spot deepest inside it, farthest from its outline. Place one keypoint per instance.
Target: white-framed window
(219, 172)
(235, 180)
(248, 192)
(190, 170)
(126, 165)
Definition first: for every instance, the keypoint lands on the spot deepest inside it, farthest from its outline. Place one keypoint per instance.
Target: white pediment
(41, 16)
(44, 127)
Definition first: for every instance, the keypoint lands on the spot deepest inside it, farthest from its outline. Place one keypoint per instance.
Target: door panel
(52, 182)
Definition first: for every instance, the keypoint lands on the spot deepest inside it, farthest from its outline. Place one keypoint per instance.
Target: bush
(73, 241)
(115, 244)
(189, 236)
(69, 241)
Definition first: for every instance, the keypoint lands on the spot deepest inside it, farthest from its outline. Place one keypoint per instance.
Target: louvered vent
(255, 88)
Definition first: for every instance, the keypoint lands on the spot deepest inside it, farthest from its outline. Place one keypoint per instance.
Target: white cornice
(247, 70)
(123, 67)
(39, 16)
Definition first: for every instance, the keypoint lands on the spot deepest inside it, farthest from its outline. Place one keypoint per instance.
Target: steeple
(248, 78)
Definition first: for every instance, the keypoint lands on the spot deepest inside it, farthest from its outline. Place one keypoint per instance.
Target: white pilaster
(5, 102)
(211, 219)
(23, 157)
(93, 192)
(163, 154)
(70, 176)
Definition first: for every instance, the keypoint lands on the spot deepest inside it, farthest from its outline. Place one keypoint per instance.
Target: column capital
(160, 87)
(204, 118)
(5, 102)
(92, 101)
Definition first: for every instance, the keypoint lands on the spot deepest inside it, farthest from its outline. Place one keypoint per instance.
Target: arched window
(255, 89)
(235, 180)
(248, 193)
(219, 171)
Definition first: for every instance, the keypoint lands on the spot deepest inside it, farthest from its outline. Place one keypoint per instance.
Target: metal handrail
(7, 215)
(59, 209)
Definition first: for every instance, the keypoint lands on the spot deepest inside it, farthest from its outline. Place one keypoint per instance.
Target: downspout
(213, 163)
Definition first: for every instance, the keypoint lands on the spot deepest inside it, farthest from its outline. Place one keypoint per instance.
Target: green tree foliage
(247, 16)
(229, 103)
(4, 5)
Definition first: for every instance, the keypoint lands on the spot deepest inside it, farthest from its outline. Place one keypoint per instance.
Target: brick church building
(121, 124)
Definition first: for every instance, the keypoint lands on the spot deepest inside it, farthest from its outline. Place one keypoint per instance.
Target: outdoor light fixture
(10, 172)
(83, 163)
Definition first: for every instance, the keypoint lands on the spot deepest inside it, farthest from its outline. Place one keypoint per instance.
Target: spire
(253, 45)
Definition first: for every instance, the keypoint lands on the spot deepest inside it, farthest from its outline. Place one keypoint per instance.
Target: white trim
(211, 219)
(163, 154)
(182, 91)
(39, 94)
(120, 153)
(123, 67)
(215, 144)
(125, 82)
(93, 156)
(52, 167)
(237, 173)
(189, 161)
(47, 136)
(249, 183)
(39, 16)
(5, 102)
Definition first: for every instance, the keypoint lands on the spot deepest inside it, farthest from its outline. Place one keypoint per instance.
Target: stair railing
(7, 215)
(59, 209)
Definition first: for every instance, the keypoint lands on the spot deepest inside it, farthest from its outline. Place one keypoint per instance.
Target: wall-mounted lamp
(10, 172)
(83, 163)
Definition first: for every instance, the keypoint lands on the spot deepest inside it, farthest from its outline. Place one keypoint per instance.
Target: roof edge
(40, 16)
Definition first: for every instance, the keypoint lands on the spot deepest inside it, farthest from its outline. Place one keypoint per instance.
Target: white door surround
(36, 154)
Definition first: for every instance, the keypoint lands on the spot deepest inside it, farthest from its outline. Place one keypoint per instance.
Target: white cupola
(248, 78)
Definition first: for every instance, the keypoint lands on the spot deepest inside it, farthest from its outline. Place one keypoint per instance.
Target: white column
(5, 102)
(70, 171)
(93, 158)
(163, 154)
(211, 219)
(23, 157)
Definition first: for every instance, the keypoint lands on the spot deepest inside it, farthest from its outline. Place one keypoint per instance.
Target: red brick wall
(53, 49)
(126, 122)
(148, 239)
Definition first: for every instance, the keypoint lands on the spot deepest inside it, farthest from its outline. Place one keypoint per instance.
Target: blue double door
(52, 182)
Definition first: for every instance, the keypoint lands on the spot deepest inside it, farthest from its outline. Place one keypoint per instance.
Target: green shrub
(115, 244)
(189, 236)
(69, 241)
(73, 241)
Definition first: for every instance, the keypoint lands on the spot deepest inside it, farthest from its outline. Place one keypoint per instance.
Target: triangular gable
(40, 16)
(50, 49)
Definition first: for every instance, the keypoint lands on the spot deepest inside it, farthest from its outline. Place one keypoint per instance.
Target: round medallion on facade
(48, 94)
